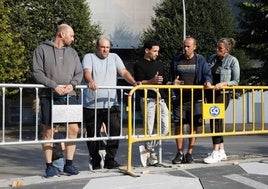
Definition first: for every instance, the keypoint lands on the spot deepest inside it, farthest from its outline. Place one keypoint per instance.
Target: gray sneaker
(152, 160)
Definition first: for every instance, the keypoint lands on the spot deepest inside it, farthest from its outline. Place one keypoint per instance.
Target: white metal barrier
(19, 131)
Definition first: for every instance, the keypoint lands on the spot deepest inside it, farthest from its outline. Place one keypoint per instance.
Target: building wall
(122, 21)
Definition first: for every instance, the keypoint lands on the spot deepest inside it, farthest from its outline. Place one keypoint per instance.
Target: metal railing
(17, 110)
(246, 108)
(248, 104)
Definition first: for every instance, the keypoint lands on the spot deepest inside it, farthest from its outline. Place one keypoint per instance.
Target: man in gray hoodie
(57, 66)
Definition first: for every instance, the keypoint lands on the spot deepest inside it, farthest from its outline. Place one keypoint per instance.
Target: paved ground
(247, 167)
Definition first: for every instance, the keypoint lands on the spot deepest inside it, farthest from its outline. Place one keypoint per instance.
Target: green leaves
(254, 34)
(206, 20)
(31, 22)
(12, 68)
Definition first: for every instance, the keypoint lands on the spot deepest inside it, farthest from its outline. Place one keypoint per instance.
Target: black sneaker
(70, 170)
(96, 166)
(178, 159)
(189, 158)
(51, 171)
(112, 164)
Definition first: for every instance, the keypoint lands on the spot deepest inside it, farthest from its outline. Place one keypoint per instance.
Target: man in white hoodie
(57, 66)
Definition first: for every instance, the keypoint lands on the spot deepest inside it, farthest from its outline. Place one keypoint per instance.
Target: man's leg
(71, 146)
(144, 153)
(47, 135)
(151, 108)
(178, 130)
(93, 146)
(191, 145)
(198, 121)
(150, 116)
(151, 145)
(192, 141)
(47, 147)
(179, 141)
(179, 144)
(70, 149)
(188, 156)
(164, 118)
(51, 171)
(113, 145)
(147, 152)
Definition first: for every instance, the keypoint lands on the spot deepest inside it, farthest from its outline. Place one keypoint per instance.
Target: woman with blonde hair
(225, 72)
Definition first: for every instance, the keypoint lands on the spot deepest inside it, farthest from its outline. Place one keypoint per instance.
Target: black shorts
(186, 113)
(46, 107)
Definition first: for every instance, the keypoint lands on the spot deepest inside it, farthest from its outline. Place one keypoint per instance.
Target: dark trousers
(218, 122)
(111, 146)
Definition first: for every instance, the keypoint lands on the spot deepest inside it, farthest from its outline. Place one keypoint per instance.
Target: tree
(253, 19)
(12, 68)
(206, 20)
(36, 22)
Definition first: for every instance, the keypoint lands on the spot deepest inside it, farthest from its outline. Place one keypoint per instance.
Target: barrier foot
(130, 173)
(162, 165)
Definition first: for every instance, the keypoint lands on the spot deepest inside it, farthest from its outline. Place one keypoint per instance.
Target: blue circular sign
(214, 111)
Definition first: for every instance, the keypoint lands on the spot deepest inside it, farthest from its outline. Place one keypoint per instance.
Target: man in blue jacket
(188, 68)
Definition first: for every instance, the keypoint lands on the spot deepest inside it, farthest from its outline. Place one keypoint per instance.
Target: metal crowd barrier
(243, 109)
(20, 117)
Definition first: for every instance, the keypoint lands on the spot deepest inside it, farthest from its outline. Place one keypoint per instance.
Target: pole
(185, 126)
(184, 20)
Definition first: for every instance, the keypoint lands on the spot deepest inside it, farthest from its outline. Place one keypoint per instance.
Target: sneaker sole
(178, 162)
(207, 162)
(69, 174)
(51, 176)
(152, 162)
(175, 163)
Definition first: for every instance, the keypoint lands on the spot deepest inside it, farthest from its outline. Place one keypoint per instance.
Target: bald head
(191, 40)
(189, 47)
(102, 40)
(63, 28)
(103, 47)
(64, 36)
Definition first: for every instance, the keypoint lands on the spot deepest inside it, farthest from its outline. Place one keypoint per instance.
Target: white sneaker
(222, 154)
(152, 160)
(144, 155)
(214, 157)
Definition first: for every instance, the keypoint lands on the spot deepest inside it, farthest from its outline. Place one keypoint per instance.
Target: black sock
(49, 164)
(69, 162)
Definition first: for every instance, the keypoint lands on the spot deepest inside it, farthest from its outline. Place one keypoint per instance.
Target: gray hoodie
(53, 67)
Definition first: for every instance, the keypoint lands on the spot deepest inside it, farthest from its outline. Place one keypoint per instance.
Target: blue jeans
(59, 164)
